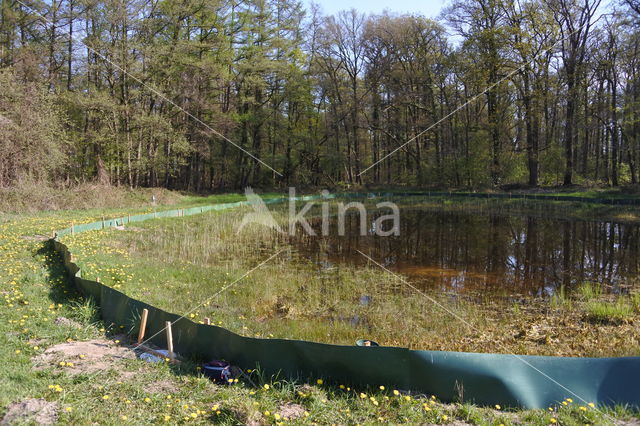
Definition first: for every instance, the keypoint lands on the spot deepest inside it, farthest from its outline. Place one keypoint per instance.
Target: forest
(204, 95)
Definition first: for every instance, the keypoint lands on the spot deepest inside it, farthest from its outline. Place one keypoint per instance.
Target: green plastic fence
(508, 380)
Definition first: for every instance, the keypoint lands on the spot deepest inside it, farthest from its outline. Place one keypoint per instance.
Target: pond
(487, 253)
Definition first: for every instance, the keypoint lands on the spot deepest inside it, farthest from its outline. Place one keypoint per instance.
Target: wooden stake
(169, 341)
(143, 325)
(207, 321)
(72, 229)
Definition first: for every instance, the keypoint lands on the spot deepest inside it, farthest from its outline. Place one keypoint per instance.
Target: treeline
(157, 93)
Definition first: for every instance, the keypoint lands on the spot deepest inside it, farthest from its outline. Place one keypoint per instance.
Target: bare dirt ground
(83, 357)
(38, 411)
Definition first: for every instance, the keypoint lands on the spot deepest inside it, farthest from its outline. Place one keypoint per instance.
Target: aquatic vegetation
(608, 312)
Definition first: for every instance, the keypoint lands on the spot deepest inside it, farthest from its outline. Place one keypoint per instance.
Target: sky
(427, 8)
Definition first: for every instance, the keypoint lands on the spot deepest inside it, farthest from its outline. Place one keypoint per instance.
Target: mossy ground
(35, 292)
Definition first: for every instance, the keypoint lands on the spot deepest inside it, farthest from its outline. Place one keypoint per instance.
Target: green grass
(35, 292)
(607, 312)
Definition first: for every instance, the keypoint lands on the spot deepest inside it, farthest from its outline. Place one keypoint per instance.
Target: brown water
(495, 254)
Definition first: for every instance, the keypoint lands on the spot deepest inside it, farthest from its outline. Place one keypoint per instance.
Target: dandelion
(18, 351)
(381, 387)
(105, 397)
(266, 387)
(266, 413)
(569, 400)
(498, 407)
(123, 417)
(276, 416)
(319, 381)
(552, 420)
(147, 399)
(565, 403)
(396, 392)
(583, 408)
(591, 404)
(363, 395)
(445, 418)
(68, 409)
(407, 398)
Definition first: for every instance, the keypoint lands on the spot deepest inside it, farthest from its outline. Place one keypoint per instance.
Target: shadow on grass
(61, 289)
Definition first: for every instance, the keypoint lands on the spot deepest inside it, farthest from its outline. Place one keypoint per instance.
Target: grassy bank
(41, 311)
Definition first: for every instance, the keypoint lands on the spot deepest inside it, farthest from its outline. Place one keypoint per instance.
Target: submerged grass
(35, 292)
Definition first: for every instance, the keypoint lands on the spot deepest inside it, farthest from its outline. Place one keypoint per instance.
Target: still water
(493, 254)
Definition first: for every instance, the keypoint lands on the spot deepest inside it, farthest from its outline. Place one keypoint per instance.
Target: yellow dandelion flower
(105, 397)
(498, 407)
(266, 387)
(319, 381)
(381, 387)
(396, 392)
(591, 404)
